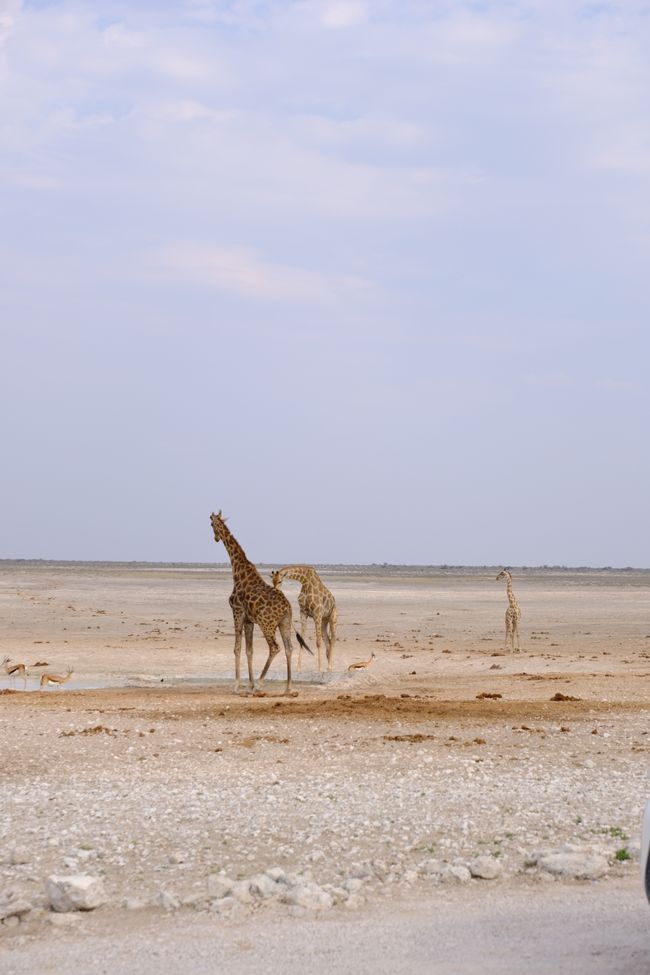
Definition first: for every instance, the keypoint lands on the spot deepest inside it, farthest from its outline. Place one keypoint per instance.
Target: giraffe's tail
(303, 644)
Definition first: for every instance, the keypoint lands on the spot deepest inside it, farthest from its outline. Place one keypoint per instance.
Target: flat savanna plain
(365, 789)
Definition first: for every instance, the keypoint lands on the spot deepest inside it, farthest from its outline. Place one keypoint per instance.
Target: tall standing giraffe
(315, 601)
(253, 601)
(513, 613)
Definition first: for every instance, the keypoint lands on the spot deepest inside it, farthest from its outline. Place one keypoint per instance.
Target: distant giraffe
(513, 613)
(253, 601)
(315, 601)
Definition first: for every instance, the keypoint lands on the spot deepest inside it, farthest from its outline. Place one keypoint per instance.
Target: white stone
(219, 885)
(485, 867)
(262, 886)
(78, 892)
(194, 900)
(581, 866)
(459, 874)
(353, 884)
(430, 867)
(13, 905)
(363, 870)
(309, 896)
(227, 906)
(12, 921)
(19, 855)
(169, 902)
(135, 903)
(354, 902)
(241, 891)
(277, 874)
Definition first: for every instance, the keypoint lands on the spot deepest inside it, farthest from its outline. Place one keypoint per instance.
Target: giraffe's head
(504, 574)
(218, 523)
(276, 579)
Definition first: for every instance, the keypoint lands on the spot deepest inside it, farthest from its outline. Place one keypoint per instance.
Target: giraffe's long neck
(510, 593)
(242, 568)
(296, 572)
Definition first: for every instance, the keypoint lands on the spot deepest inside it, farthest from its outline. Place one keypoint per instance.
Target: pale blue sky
(370, 276)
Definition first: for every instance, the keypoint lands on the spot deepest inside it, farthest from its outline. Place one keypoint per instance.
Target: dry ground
(149, 771)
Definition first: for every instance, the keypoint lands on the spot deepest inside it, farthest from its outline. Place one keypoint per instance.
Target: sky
(371, 277)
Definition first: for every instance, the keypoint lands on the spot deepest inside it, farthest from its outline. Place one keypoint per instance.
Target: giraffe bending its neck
(253, 601)
(513, 613)
(315, 601)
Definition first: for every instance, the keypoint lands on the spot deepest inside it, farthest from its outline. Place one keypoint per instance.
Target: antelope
(57, 679)
(361, 664)
(15, 670)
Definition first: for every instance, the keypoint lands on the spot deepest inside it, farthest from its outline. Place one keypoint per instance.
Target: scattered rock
(580, 866)
(485, 868)
(79, 892)
(169, 902)
(19, 854)
(219, 885)
(354, 902)
(135, 903)
(309, 896)
(14, 904)
(457, 873)
(241, 891)
(277, 874)
(353, 884)
(262, 886)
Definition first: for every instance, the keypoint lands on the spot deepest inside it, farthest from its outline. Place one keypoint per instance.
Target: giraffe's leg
(515, 635)
(248, 633)
(318, 620)
(274, 649)
(511, 632)
(285, 633)
(304, 616)
(238, 620)
(331, 638)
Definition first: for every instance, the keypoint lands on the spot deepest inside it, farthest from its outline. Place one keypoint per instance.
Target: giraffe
(315, 601)
(253, 601)
(513, 613)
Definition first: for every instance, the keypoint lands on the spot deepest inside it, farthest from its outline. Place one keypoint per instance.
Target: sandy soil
(376, 791)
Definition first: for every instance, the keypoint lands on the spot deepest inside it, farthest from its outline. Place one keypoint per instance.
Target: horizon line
(333, 565)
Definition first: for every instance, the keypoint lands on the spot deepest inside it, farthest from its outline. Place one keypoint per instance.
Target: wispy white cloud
(337, 14)
(245, 273)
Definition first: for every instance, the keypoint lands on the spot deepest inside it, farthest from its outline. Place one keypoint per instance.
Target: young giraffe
(315, 601)
(513, 613)
(253, 601)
